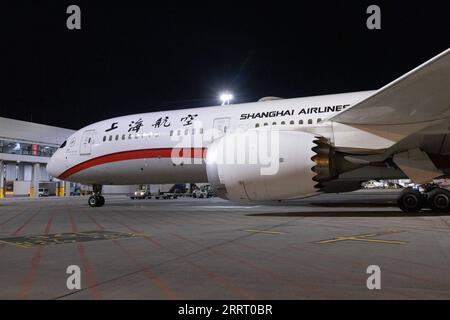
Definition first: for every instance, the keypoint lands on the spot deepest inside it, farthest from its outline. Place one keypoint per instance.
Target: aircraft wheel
(101, 201)
(410, 200)
(96, 201)
(93, 201)
(439, 200)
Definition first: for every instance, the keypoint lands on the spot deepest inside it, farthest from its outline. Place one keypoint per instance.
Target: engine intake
(300, 164)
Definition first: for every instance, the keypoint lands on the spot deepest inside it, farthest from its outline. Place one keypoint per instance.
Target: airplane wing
(421, 95)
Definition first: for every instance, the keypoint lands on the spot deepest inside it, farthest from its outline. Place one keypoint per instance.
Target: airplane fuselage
(137, 149)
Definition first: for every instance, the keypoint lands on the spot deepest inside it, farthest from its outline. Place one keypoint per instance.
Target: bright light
(226, 97)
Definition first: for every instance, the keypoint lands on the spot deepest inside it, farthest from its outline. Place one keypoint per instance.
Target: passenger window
(201, 130)
(274, 123)
(110, 138)
(129, 136)
(257, 125)
(300, 121)
(225, 129)
(171, 132)
(156, 134)
(193, 131)
(117, 137)
(283, 122)
(291, 122)
(318, 120)
(309, 121)
(89, 141)
(179, 132)
(104, 138)
(123, 137)
(265, 124)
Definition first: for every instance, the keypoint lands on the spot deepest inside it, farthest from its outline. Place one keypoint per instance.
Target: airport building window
(309, 121)
(30, 149)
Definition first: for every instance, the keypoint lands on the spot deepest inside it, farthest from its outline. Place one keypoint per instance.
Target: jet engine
(260, 165)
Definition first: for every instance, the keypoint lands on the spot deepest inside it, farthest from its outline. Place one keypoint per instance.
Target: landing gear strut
(96, 200)
(433, 197)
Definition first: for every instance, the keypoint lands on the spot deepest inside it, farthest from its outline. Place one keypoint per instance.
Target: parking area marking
(65, 238)
(264, 231)
(366, 238)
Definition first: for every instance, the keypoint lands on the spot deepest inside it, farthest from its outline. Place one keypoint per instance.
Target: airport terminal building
(25, 149)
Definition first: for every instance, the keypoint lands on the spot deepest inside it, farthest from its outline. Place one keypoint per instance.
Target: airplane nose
(54, 166)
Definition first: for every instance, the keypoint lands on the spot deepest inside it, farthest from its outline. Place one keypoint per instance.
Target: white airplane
(329, 143)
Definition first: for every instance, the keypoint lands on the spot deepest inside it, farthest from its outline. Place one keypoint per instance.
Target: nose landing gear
(413, 200)
(96, 200)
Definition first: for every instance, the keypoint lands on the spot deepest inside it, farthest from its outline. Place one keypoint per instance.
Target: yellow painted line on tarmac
(362, 239)
(365, 238)
(264, 231)
(19, 244)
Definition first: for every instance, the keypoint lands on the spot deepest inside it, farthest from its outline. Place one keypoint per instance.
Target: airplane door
(220, 127)
(86, 142)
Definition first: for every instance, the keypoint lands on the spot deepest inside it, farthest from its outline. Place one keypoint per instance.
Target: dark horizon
(144, 58)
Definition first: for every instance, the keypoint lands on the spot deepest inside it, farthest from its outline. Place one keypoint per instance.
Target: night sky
(132, 57)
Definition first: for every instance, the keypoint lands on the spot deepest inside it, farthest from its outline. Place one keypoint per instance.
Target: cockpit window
(63, 144)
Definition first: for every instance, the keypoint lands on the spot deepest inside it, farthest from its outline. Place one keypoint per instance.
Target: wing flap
(417, 166)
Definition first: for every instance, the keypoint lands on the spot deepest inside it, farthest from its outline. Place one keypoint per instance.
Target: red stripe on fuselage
(133, 155)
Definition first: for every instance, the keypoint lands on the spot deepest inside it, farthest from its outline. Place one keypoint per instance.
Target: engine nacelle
(294, 166)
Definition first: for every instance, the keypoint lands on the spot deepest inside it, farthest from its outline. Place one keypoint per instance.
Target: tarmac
(326, 247)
